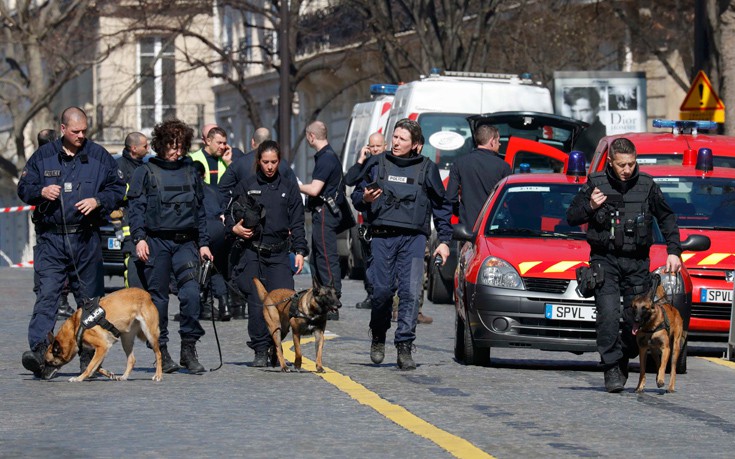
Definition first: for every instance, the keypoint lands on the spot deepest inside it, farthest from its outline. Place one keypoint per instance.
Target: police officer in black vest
(619, 205)
(169, 229)
(267, 240)
(400, 192)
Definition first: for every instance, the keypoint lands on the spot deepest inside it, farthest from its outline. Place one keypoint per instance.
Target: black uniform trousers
(275, 272)
(54, 257)
(625, 276)
(324, 254)
(181, 259)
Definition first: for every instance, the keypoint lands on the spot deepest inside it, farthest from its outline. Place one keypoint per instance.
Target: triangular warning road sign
(701, 96)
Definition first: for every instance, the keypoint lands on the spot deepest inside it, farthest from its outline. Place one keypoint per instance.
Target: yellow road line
(456, 446)
(719, 361)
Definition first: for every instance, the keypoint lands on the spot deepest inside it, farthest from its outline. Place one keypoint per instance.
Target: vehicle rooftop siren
(576, 165)
(383, 89)
(525, 168)
(705, 160)
(679, 126)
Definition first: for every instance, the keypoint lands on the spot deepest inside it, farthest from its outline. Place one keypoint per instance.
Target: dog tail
(262, 292)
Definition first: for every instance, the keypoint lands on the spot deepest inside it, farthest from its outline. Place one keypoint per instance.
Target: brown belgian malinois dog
(131, 311)
(658, 326)
(303, 313)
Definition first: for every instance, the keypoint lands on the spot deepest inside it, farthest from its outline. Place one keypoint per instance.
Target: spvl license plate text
(710, 295)
(113, 243)
(569, 312)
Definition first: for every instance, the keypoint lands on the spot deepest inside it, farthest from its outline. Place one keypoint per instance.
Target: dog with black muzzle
(658, 326)
(131, 311)
(304, 313)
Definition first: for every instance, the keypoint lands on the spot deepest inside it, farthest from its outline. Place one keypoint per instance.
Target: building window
(158, 81)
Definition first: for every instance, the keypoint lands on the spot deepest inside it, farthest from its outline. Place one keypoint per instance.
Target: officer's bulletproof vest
(404, 202)
(630, 228)
(172, 201)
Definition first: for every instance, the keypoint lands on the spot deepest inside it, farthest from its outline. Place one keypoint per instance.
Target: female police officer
(266, 243)
(169, 229)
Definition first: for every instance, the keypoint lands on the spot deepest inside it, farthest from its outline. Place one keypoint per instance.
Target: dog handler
(408, 190)
(619, 204)
(268, 240)
(169, 229)
(74, 183)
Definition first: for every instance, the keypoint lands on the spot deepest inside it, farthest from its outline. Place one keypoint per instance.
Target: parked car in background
(515, 282)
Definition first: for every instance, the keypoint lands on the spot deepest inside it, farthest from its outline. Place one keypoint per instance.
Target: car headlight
(499, 273)
(673, 285)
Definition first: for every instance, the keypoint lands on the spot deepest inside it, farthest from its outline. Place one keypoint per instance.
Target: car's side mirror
(461, 233)
(696, 243)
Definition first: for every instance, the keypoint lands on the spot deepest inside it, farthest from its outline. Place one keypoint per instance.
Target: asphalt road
(526, 404)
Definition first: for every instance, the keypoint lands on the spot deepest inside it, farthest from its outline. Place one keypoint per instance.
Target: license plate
(113, 243)
(567, 312)
(709, 295)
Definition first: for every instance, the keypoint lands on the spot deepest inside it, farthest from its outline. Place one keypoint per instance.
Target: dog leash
(204, 286)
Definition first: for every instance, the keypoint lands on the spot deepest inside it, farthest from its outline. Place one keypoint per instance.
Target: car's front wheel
(465, 350)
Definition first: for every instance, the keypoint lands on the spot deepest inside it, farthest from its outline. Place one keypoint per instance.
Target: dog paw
(320, 370)
(75, 379)
(157, 378)
(670, 390)
(121, 378)
(660, 383)
(285, 370)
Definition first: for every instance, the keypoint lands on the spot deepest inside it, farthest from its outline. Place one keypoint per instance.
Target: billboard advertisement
(611, 102)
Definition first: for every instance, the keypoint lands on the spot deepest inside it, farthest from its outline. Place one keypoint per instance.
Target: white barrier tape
(16, 209)
(25, 264)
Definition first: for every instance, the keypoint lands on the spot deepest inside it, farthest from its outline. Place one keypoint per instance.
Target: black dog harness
(93, 314)
(294, 310)
(665, 325)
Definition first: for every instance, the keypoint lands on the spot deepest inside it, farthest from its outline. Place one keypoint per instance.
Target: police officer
(169, 230)
(136, 147)
(267, 240)
(401, 191)
(472, 179)
(326, 193)
(619, 205)
(74, 183)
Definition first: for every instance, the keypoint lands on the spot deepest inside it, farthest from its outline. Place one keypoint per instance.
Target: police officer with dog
(267, 216)
(169, 229)
(619, 205)
(74, 183)
(400, 191)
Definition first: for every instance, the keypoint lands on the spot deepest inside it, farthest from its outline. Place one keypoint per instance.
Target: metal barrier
(16, 237)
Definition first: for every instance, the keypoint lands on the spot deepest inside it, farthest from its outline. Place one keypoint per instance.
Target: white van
(367, 118)
(441, 104)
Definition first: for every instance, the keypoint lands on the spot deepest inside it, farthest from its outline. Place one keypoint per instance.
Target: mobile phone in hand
(372, 186)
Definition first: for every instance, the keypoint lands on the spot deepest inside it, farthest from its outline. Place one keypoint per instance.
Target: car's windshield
(671, 159)
(534, 210)
(700, 202)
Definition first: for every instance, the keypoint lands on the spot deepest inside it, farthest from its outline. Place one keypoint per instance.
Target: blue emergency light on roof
(383, 89)
(576, 165)
(525, 168)
(705, 160)
(679, 125)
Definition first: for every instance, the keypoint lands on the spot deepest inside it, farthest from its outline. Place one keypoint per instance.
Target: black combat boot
(614, 379)
(167, 363)
(224, 308)
(189, 358)
(377, 348)
(365, 304)
(65, 310)
(405, 361)
(206, 303)
(261, 359)
(34, 360)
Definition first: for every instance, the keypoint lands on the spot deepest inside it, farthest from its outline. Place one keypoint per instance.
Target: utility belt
(63, 229)
(176, 236)
(390, 231)
(267, 250)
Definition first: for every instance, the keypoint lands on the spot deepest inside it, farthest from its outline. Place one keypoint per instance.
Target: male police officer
(74, 183)
(326, 194)
(169, 229)
(405, 189)
(619, 205)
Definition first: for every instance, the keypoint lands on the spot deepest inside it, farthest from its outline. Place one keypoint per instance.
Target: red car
(671, 148)
(515, 282)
